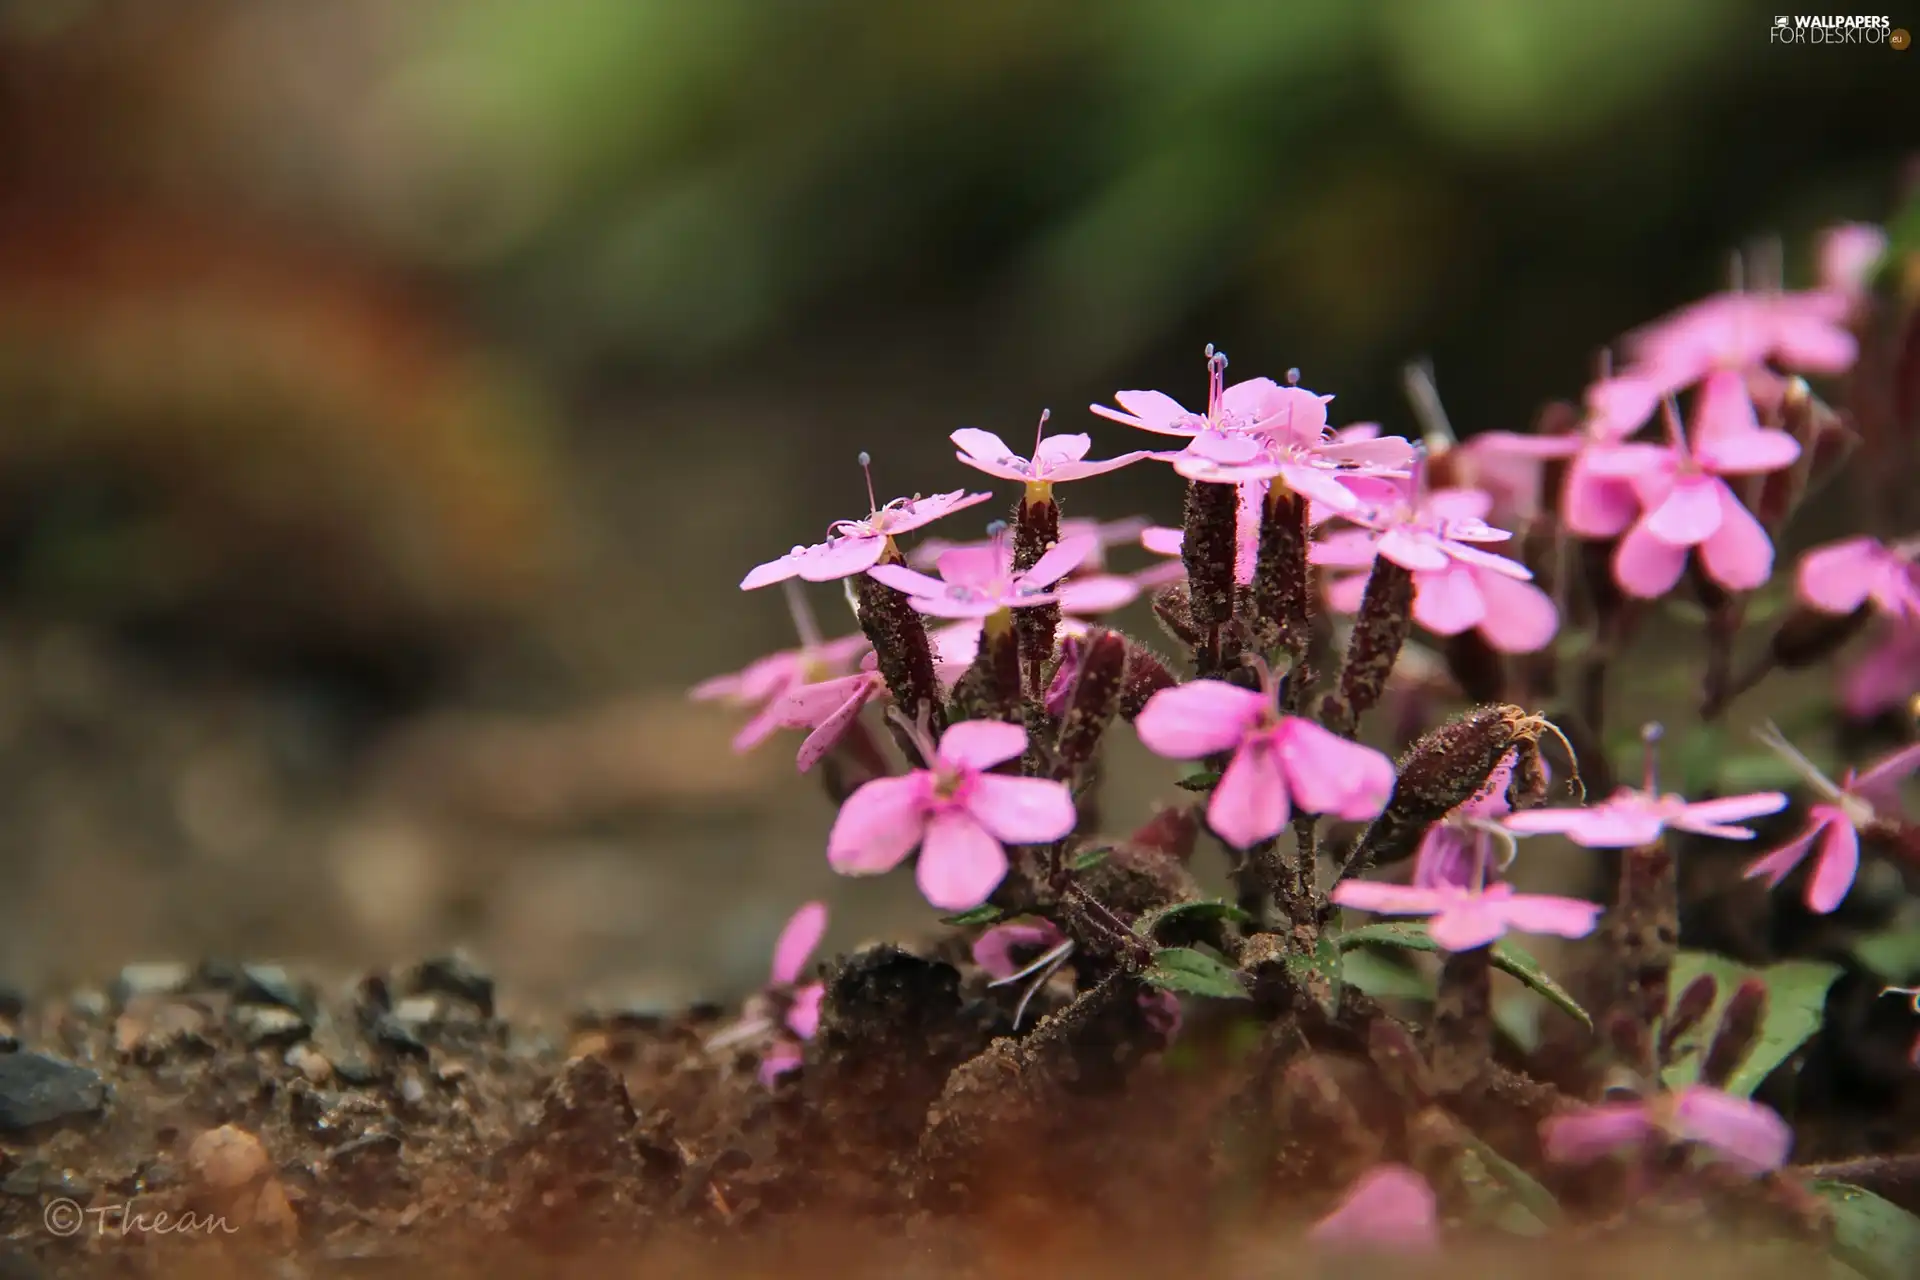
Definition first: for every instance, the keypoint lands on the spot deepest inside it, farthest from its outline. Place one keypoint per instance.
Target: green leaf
(1761, 771)
(984, 914)
(1875, 1237)
(1700, 756)
(1796, 1002)
(1369, 971)
(1195, 909)
(1194, 972)
(1502, 1194)
(1205, 780)
(1893, 954)
(1320, 974)
(1507, 958)
(1088, 859)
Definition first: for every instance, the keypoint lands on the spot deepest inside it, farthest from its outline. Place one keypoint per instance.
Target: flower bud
(1386, 615)
(1739, 1029)
(1093, 703)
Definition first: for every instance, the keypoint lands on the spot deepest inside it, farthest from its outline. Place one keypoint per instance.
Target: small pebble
(38, 1088)
(310, 1063)
(227, 1158)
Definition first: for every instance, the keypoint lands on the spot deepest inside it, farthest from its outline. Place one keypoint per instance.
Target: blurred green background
(391, 394)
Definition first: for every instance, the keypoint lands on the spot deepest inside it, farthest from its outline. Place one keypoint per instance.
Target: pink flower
(1105, 533)
(854, 546)
(1464, 918)
(828, 708)
(765, 684)
(784, 1011)
(1849, 255)
(1630, 818)
(1391, 1207)
(1005, 949)
(958, 815)
(1836, 821)
(1885, 676)
(1685, 502)
(1279, 762)
(1743, 1131)
(1455, 849)
(1839, 577)
(1054, 461)
(977, 581)
(1591, 505)
(1235, 408)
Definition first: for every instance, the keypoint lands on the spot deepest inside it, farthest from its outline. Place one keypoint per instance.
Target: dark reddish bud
(1172, 608)
(1209, 550)
(1690, 1007)
(1282, 596)
(1094, 701)
(990, 689)
(1439, 773)
(1386, 613)
(1734, 1039)
(1629, 1039)
(900, 647)
(1036, 527)
(1147, 675)
(1171, 832)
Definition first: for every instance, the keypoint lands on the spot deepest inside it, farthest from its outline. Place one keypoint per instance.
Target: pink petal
(1412, 552)
(1293, 413)
(1321, 485)
(1593, 505)
(1243, 400)
(961, 864)
(981, 744)
(1622, 404)
(983, 446)
(1814, 344)
(1197, 719)
(1328, 774)
(1459, 504)
(1627, 461)
(1604, 826)
(1059, 560)
(1448, 602)
(779, 1059)
(803, 1015)
(1689, 515)
(1779, 864)
(1848, 255)
(1150, 411)
(1838, 576)
(910, 581)
(1468, 921)
(813, 704)
(1056, 451)
(1249, 803)
(1390, 1207)
(879, 825)
(1645, 566)
(797, 941)
(1879, 786)
(1838, 863)
(1739, 555)
(924, 511)
(1521, 618)
(1344, 549)
(1022, 810)
(1735, 444)
(1344, 595)
(1885, 676)
(1551, 914)
(1163, 541)
(1061, 473)
(831, 728)
(1392, 899)
(1748, 1133)
(1576, 1137)
(975, 564)
(1098, 593)
(1756, 804)
(994, 949)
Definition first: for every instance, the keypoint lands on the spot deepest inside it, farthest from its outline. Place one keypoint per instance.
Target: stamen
(1435, 429)
(1039, 432)
(866, 466)
(1058, 952)
(1676, 434)
(1293, 377)
(1026, 997)
(919, 731)
(1650, 735)
(803, 621)
(1216, 383)
(1770, 735)
(997, 534)
(1509, 847)
(739, 1033)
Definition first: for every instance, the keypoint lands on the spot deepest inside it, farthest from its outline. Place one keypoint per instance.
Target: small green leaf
(1503, 1195)
(1796, 1003)
(1195, 910)
(1205, 780)
(1320, 974)
(1700, 756)
(1507, 958)
(1088, 859)
(1194, 972)
(1369, 971)
(984, 914)
(1875, 1237)
(1893, 955)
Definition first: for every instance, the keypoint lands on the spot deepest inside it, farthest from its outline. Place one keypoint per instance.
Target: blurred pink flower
(783, 1013)
(1230, 409)
(1279, 762)
(1631, 817)
(957, 814)
(1455, 851)
(1465, 918)
(1855, 803)
(1390, 1207)
(854, 546)
(1886, 676)
(828, 708)
(1007, 951)
(1839, 577)
(1746, 1133)
(1055, 461)
(977, 581)
(1849, 254)
(1686, 503)
(1105, 533)
(765, 684)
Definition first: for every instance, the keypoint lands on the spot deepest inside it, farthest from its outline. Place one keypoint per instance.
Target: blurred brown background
(392, 395)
